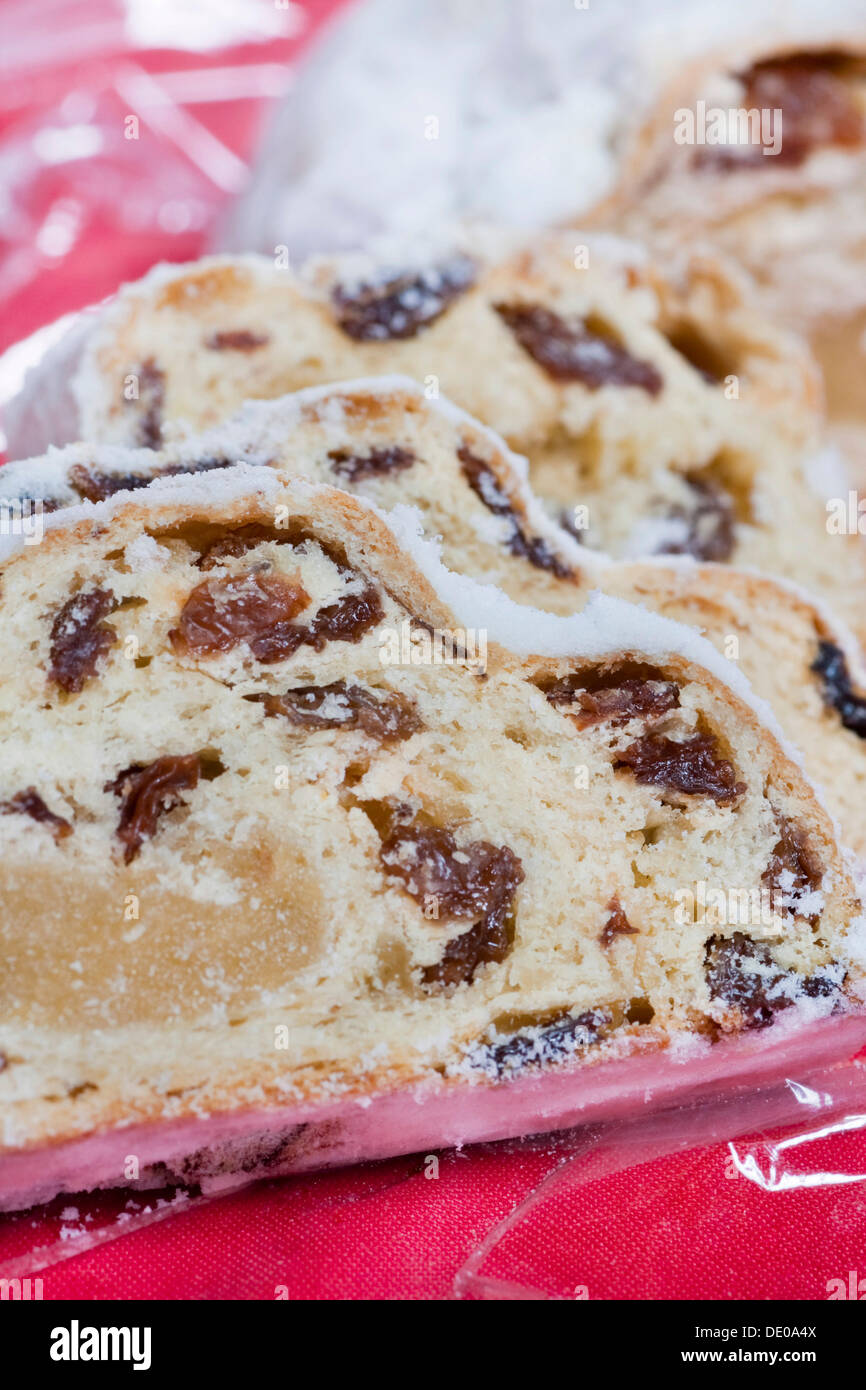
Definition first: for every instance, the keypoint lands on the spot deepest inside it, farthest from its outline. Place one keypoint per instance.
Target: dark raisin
(474, 880)
(614, 703)
(486, 486)
(825, 983)
(238, 542)
(466, 881)
(205, 465)
(221, 613)
(794, 860)
(384, 716)
(692, 766)
(148, 791)
(79, 638)
(571, 351)
(151, 398)
(489, 941)
(548, 1043)
(236, 340)
(378, 463)
(818, 110)
(403, 305)
(95, 486)
(831, 665)
(743, 973)
(30, 803)
(708, 522)
(345, 620)
(617, 924)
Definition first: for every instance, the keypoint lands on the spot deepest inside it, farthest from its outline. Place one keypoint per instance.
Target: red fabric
(680, 1226)
(684, 1226)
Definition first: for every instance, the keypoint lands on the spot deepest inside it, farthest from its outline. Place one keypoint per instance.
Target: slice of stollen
(383, 440)
(315, 851)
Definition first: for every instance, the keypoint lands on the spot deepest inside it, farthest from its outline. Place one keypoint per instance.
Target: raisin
(244, 1155)
(402, 306)
(345, 620)
(474, 880)
(617, 924)
(486, 486)
(378, 463)
(794, 870)
(552, 1042)
(30, 803)
(709, 522)
(95, 486)
(205, 465)
(824, 983)
(151, 398)
(570, 351)
(79, 639)
(489, 941)
(383, 716)
(236, 340)
(466, 882)
(238, 542)
(148, 791)
(817, 107)
(831, 665)
(221, 613)
(753, 992)
(615, 703)
(692, 767)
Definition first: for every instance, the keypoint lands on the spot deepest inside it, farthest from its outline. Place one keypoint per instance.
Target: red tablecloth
(687, 1225)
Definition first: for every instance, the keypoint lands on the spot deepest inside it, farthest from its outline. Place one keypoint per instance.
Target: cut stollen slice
(603, 377)
(754, 509)
(385, 441)
(381, 438)
(315, 851)
(794, 218)
(572, 345)
(785, 194)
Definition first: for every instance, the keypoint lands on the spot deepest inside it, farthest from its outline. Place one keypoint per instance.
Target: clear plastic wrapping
(676, 1180)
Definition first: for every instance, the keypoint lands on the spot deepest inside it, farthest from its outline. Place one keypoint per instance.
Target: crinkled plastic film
(125, 127)
(680, 1174)
(735, 1153)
